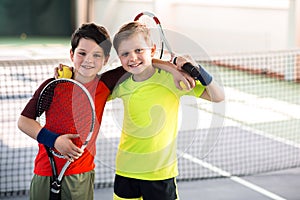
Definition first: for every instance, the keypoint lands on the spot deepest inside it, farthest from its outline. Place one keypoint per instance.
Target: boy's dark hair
(92, 31)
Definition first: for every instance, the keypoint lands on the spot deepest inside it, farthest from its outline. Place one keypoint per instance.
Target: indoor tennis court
(247, 147)
(256, 139)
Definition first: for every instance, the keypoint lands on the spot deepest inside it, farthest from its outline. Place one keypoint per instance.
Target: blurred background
(217, 25)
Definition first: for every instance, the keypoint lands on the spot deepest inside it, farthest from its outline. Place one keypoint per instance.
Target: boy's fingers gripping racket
(66, 107)
(198, 73)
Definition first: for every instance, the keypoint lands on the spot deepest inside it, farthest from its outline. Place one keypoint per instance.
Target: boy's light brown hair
(130, 29)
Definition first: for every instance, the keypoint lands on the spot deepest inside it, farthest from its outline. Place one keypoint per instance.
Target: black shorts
(129, 188)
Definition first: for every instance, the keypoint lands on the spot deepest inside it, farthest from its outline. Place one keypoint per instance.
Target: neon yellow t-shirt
(147, 148)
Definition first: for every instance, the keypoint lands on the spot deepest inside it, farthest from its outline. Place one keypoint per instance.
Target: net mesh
(259, 133)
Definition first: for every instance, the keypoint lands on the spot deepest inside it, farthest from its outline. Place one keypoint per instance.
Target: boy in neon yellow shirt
(146, 162)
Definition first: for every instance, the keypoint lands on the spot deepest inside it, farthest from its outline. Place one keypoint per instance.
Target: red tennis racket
(65, 106)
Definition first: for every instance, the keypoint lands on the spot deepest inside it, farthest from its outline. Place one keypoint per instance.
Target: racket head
(65, 106)
(156, 32)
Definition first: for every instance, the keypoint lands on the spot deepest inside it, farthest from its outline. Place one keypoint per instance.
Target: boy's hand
(67, 148)
(198, 72)
(63, 71)
(183, 81)
(179, 61)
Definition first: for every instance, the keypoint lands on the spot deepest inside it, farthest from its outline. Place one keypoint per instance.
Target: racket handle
(55, 190)
(198, 73)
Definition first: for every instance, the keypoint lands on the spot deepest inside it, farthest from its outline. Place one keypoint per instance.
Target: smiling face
(136, 56)
(88, 59)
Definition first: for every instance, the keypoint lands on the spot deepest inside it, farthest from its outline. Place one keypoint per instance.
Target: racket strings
(68, 111)
(82, 114)
(154, 27)
(45, 99)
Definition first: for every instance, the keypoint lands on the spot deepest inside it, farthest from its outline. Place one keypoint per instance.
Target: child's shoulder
(115, 71)
(162, 72)
(46, 82)
(113, 77)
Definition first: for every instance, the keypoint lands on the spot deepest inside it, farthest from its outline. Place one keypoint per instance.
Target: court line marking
(233, 178)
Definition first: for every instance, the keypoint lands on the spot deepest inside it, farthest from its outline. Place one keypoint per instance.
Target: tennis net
(258, 132)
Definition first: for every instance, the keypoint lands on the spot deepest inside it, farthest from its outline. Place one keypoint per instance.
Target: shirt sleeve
(198, 89)
(30, 108)
(113, 77)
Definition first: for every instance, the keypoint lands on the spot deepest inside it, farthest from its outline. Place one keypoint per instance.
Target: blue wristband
(198, 73)
(47, 137)
(205, 78)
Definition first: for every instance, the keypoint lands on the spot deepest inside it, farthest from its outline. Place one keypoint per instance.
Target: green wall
(36, 17)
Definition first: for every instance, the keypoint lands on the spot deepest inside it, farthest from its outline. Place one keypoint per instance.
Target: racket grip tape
(55, 190)
(198, 73)
(47, 137)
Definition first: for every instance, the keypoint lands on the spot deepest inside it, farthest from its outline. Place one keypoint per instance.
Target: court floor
(280, 185)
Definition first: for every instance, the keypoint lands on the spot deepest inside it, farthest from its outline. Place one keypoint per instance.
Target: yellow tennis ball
(182, 85)
(65, 72)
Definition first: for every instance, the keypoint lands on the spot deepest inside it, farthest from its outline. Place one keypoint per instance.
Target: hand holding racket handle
(59, 178)
(198, 73)
(191, 69)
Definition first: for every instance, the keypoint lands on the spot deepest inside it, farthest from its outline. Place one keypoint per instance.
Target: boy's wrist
(47, 137)
(205, 78)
